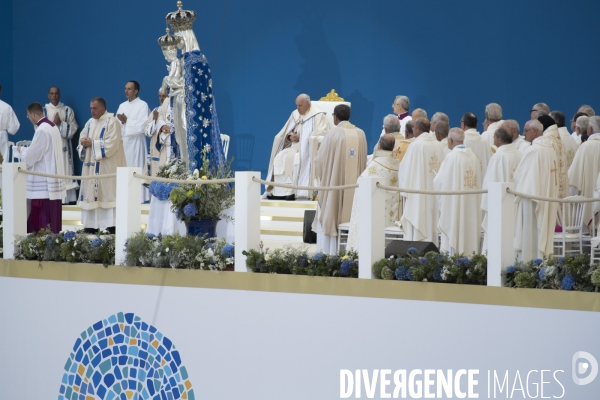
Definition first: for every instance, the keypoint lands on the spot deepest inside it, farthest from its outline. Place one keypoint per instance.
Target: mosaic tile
(123, 357)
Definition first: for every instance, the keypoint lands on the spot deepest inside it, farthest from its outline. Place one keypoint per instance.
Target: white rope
(184, 181)
(297, 187)
(552, 199)
(69, 177)
(436, 192)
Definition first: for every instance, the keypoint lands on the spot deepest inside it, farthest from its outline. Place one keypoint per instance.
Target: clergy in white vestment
(459, 221)
(44, 154)
(538, 110)
(64, 119)
(101, 150)
(9, 125)
(501, 168)
(384, 165)
(158, 131)
(473, 141)
(570, 143)
(294, 150)
(585, 169)
(402, 147)
(400, 105)
(576, 133)
(441, 134)
(551, 132)
(391, 126)
(537, 175)
(416, 171)
(493, 120)
(133, 115)
(512, 127)
(340, 161)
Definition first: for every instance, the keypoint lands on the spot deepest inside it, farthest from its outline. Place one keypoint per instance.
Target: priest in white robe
(501, 168)
(44, 195)
(384, 165)
(512, 127)
(64, 119)
(101, 150)
(402, 146)
(391, 126)
(340, 161)
(460, 216)
(585, 169)
(473, 141)
(9, 125)
(551, 132)
(537, 174)
(576, 133)
(493, 120)
(570, 143)
(133, 114)
(441, 134)
(294, 150)
(416, 171)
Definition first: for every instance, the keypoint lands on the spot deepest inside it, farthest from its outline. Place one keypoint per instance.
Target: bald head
(303, 103)
(512, 127)
(387, 142)
(419, 113)
(421, 126)
(539, 109)
(588, 110)
(456, 137)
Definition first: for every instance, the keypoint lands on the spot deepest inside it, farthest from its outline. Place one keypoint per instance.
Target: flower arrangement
(562, 273)
(66, 246)
(433, 267)
(298, 261)
(176, 251)
(207, 201)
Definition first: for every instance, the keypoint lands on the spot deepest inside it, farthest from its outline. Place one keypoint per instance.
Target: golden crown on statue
(169, 41)
(181, 20)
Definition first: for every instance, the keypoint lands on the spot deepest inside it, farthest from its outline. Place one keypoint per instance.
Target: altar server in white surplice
(340, 161)
(537, 175)
(64, 119)
(416, 171)
(133, 115)
(460, 216)
(101, 150)
(571, 145)
(501, 168)
(493, 120)
(9, 124)
(295, 148)
(512, 127)
(584, 171)
(473, 141)
(384, 165)
(551, 132)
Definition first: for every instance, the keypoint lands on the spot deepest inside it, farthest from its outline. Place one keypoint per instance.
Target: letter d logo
(582, 367)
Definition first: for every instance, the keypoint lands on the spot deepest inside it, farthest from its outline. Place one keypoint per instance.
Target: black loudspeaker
(308, 236)
(400, 247)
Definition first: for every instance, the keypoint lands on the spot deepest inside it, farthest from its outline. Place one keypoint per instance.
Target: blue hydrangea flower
(153, 188)
(401, 273)
(409, 273)
(537, 261)
(437, 274)
(163, 190)
(196, 197)
(319, 256)
(150, 235)
(228, 250)
(49, 240)
(422, 260)
(542, 273)
(463, 262)
(412, 250)
(303, 261)
(190, 210)
(511, 269)
(399, 261)
(440, 259)
(347, 266)
(69, 235)
(96, 242)
(568, 282)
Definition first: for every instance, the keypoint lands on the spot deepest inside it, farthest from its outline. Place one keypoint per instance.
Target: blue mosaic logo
(124, 358)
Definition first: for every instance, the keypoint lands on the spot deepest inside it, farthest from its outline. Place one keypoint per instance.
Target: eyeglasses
(462, 121)
(531, 111)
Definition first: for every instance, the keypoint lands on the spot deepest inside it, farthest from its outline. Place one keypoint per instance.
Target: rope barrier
(436, 192)
(553, 200)
(297, 187)
(184, 181)
(68, 177)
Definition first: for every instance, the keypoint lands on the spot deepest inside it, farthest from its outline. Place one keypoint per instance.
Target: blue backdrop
(450, 56)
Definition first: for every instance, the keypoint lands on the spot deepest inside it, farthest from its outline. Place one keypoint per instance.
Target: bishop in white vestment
(295, 148)
(551, 132)
(64, 119)
(569, 142)
(474, 141)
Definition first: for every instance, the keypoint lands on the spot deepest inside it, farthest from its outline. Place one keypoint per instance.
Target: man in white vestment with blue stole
(460, 216)
(9, 125)
(64, 119)
(294, 150)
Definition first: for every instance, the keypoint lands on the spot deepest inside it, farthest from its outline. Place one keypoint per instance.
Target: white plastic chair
(572, 227)
(343, 230)
(225, 141)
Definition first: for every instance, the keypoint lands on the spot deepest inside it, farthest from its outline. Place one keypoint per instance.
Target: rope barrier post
(129, 192)
(14, 205)
(501, 231)
(371, 223)
(247, 216)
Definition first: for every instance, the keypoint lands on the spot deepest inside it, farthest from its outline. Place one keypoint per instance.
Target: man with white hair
(584, 171)
(581, 128)
(437, 117)
(493, 120)
(501, 168)
(575, 133)
(419, 113)
(475, 142)
(571, 145)
(538, 110)
(391, 126)
(401, 106)
(587, 110)
(551, 132)
(417, 169)
(537, 175)
(512, 127)
(460, 216)
(294, 150)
